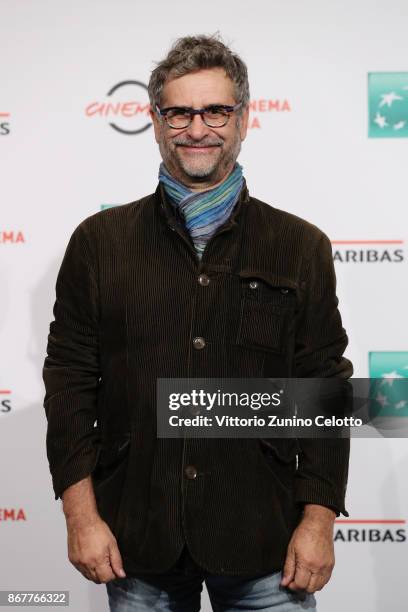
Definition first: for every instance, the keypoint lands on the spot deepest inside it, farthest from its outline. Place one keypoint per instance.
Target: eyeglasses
(215, 116)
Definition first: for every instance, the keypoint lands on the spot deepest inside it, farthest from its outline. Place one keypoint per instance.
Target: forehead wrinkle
(197, 90)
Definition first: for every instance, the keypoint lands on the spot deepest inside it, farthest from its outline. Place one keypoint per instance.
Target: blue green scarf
(203, 211)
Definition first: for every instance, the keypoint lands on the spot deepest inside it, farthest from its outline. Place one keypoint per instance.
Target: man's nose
(197, 128)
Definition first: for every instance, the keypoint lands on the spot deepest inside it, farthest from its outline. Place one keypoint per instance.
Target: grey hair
(192, 53)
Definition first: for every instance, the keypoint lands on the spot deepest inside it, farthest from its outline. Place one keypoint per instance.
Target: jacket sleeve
(71, 370)
(322, 473)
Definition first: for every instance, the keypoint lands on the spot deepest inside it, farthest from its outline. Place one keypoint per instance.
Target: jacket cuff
(318, 492)
(79, 468)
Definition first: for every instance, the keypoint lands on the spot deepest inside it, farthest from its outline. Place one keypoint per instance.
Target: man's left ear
(243, 124)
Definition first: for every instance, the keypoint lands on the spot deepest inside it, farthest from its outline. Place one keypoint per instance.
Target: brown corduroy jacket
(131, 298)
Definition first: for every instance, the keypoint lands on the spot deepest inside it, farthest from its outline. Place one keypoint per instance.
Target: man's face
(200, 156)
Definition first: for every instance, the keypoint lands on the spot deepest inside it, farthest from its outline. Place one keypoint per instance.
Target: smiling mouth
(199, 149)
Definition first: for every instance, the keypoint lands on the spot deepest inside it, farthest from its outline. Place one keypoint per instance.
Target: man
(199, 279)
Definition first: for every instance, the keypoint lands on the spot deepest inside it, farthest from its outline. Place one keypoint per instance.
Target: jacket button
(284, 290)
(199, 343)
(191, 472)
(204, 280)
(253, 284)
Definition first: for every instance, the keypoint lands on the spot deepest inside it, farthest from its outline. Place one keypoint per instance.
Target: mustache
(185, 142)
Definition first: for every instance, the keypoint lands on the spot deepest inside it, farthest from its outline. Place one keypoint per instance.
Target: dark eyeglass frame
(199, 111)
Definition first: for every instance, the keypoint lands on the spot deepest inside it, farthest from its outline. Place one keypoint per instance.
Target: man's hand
(310, 555)
(92, 547)
(93, 550)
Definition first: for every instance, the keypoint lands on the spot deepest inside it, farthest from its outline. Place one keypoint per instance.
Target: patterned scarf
(203, 211)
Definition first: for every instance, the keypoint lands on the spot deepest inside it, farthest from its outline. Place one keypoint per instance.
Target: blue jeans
(179, 590)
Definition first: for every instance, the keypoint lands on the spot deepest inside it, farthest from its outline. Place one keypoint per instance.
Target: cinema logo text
(11, 237)
(262, 106)
(5, 401)
(126, 108)
(4, 124)
(370, 530)
(12, 514)
(368, 251)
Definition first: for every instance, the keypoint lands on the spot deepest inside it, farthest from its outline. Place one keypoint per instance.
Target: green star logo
(388, 105)
(388, 392)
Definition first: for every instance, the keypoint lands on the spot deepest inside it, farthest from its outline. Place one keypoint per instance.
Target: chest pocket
(268, 304)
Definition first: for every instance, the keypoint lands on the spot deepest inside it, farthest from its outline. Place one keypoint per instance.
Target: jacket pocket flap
(270, 278)
(112, 449)
(284, 449)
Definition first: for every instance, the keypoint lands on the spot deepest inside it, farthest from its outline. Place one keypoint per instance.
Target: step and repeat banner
(327, 141)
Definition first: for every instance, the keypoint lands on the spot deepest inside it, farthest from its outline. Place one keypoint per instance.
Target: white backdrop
(308, 152)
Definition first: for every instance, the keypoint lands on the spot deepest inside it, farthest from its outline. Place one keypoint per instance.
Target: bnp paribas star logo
(388, 105)
(389, 371)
